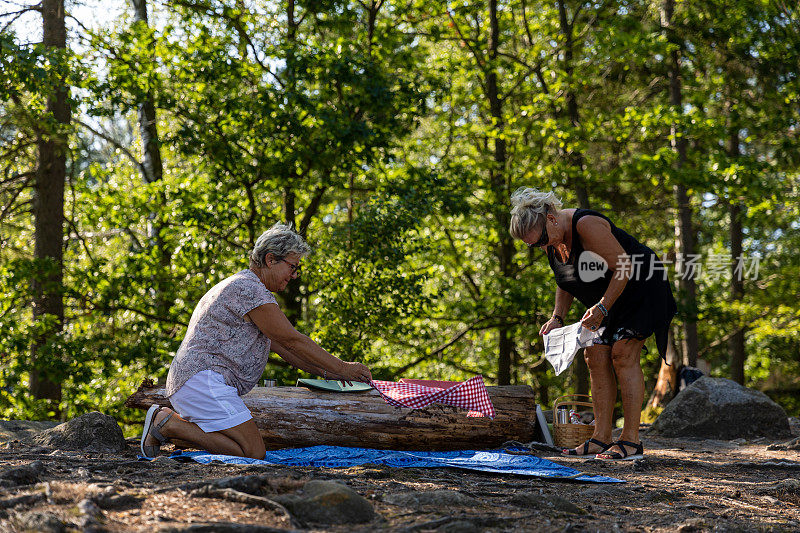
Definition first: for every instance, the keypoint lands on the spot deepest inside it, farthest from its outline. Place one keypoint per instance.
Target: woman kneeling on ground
(225, 351)
(632, 300)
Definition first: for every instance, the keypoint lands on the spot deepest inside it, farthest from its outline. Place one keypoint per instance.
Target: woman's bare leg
(247, 436)
(604, 393)
(626, 359)
(214, 441)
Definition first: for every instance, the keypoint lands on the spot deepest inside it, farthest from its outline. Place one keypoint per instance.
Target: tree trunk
(581, 371)
(498, 180)
(736, 344)
(290, 417)
(152, 170)
(292, 297)
(49, 211)
(684, 234)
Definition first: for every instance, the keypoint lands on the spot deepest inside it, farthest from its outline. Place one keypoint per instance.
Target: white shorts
(210, 403)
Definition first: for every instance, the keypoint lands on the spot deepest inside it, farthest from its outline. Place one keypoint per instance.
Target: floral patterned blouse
(221, 339)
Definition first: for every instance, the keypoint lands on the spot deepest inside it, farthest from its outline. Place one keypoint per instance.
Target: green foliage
(377, 135)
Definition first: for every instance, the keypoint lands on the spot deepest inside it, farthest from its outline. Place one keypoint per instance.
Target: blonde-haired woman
(623, 285)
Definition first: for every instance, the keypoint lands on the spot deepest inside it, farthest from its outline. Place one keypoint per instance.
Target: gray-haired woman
(231, 332)
(627, 294)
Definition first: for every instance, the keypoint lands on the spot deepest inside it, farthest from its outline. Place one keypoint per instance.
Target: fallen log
(292, 417)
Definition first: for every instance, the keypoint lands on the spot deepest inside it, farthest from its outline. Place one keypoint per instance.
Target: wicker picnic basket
(570, 435)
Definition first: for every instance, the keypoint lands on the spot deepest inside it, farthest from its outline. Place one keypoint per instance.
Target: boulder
(327, 502)
(718, 408)
(93, 432)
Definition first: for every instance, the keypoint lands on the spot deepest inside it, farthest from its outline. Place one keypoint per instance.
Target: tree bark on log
(292, 417)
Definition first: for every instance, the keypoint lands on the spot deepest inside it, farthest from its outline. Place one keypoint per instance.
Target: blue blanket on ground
(495, 461)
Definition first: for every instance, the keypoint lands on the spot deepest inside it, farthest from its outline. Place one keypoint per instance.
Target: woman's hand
(550, 325)
(354, 371)
(592, 318)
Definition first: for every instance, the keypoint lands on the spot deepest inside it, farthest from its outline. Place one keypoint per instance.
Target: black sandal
(638, 452)
(602, 445)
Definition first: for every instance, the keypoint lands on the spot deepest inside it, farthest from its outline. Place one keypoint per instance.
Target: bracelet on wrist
(602, 308)
(558, 317)
(325, 375)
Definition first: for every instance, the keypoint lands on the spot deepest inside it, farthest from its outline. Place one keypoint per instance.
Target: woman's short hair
(528, 207)
(280, 240)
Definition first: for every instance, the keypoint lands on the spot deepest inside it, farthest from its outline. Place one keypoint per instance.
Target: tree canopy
(391, 135)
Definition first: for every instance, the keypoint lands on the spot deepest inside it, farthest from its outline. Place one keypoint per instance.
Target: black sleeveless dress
(646, 305)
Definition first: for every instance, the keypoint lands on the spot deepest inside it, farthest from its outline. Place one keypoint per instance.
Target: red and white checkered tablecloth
(471, 395)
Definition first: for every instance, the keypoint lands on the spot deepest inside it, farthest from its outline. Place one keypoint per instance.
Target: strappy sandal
(638, 452)
(150, 428)
(602, 445)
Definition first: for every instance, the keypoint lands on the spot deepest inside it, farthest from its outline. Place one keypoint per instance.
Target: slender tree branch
(71, 223)
(476, 325)
(455, 338)
(17, 14)
(526, 23)
(14, 197)
(517, 84)
(475, 291)
(116, 144)
(312, 209)
(145, 314)
(738, 330)
(478, 59)
(236, 23)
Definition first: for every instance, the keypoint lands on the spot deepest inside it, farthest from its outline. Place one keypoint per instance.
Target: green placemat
(333, 385)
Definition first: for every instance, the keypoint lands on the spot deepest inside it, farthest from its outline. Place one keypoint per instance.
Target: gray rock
(722, 409)
(90, 509)
(41, 522)
(327, 502)
(545, 502)
(23, 429)
(92, 432)
(786, 486)
(693, 525)
(793, 444)
(794, 425)
(23, 475)
(439, 498)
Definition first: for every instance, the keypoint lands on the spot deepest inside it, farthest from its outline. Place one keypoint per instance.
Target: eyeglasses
(543, 238)
(295, 267)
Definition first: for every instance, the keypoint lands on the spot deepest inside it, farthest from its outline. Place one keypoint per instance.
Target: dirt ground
(680, 485)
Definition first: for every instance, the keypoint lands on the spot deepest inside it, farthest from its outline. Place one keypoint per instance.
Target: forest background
(145, 146)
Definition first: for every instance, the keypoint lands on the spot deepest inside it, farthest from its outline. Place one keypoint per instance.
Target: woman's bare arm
(300, 363)
(596, 236)
(561, 307)
(271, 321)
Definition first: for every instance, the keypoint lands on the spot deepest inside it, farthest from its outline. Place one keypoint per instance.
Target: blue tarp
(495, 461)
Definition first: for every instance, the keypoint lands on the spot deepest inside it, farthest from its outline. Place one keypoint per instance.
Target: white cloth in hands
(561, 344)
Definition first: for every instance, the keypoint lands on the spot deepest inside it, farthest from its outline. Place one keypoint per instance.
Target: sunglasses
(543, 238)
(295, 267)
